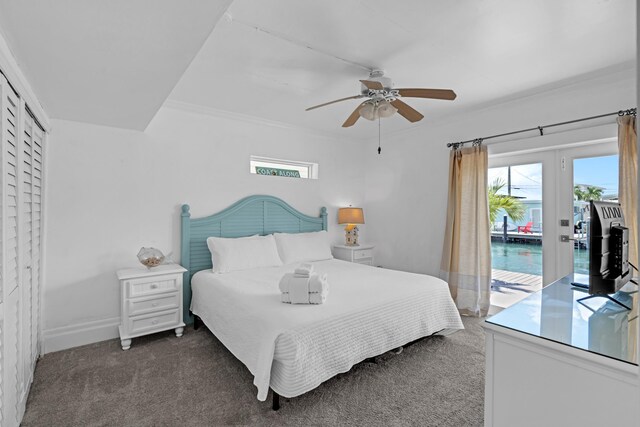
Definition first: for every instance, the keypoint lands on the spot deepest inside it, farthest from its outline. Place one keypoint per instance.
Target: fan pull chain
(379, 148)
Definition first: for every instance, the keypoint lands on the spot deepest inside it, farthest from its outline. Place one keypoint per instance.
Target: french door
(559, 211)
(593, 171)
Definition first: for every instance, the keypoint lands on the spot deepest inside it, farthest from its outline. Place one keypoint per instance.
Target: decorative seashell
(150, 257)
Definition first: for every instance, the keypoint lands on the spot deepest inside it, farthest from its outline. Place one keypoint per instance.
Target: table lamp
(350, 216)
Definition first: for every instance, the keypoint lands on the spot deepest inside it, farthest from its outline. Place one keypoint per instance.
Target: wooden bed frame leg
(196, 322)
(275, 402)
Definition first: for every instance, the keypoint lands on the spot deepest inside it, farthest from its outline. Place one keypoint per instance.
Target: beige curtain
(628, 180)
(466, 254)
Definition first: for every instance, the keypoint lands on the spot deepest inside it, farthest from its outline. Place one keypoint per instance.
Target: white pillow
(298, 247)
(243, 253)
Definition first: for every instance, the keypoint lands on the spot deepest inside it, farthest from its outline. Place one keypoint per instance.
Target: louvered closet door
(3, 234)
(10, 348)
(36, 227)
(25, 246)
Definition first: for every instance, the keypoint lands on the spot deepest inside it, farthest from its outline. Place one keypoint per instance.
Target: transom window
(284, 168)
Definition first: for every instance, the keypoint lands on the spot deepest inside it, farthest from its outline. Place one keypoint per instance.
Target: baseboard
(57, 339)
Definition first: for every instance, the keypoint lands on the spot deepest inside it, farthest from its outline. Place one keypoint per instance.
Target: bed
(292, 349)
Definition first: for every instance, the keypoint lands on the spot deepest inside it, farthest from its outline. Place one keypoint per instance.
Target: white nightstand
(362, 254)
(151, 301)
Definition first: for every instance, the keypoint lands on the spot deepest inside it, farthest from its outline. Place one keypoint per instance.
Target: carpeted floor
(164, 381)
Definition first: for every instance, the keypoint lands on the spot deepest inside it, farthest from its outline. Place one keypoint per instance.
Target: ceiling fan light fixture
(383, 100)
(376, 110)
(385, 109)
(368, 111)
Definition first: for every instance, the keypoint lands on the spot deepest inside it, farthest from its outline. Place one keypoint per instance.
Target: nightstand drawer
(150, 286)
(363, 253)
(153, 304)
(155, 322)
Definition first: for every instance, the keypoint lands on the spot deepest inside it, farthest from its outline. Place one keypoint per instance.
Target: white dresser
(361, 254)
(553, 361)
(151, 301)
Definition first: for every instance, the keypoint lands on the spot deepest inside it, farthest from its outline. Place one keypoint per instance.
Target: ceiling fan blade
(333, 102)
(407, 112)
(372, 85)
(447, 94)
(353, 118)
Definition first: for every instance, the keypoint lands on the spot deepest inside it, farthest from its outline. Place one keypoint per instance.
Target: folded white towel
(318, 283)
(301, 290)
(314, 298)
(304, 269)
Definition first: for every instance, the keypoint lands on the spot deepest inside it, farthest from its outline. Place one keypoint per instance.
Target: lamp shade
(385, 109)
(368, 111)
(376, 109)
(350, 216)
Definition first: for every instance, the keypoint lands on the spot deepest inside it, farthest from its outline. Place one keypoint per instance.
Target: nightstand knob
(154, 322)
(154, 285)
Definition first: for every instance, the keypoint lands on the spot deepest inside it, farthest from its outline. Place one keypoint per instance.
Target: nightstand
(362, 254)
(151, 301)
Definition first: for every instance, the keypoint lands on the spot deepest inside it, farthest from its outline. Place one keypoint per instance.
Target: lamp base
(351, 235)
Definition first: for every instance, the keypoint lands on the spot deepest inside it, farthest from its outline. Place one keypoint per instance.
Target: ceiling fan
(384, 101)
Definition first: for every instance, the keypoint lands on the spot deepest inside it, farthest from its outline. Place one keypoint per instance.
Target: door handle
(565, 238)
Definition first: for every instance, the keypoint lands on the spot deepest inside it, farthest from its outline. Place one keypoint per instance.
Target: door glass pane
(515, 205)
(594, 178)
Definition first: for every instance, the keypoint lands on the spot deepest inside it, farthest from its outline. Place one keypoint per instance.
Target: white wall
(406, 191)
(112, 191)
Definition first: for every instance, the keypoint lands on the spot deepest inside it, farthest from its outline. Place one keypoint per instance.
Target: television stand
(568, 352)
(584, 286)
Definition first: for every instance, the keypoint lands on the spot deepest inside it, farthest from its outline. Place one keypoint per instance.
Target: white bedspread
(294, 348)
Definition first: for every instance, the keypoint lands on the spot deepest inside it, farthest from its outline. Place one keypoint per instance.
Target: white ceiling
(115, 62)
(272, 59)
(106, 62)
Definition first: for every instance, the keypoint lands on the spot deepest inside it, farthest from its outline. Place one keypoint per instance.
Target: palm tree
(594, 193)
(512, 206)
(588, 193)
(579, 193)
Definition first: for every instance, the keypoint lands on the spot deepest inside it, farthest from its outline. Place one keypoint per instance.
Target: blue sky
(526, 180)
(600, 171)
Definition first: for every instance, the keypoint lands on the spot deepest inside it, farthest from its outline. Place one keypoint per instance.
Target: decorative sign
(290, 173)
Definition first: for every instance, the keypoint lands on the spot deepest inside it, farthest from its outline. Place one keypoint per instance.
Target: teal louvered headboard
(252, 215)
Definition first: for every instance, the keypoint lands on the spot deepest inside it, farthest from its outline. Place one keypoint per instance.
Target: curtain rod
(631, 111)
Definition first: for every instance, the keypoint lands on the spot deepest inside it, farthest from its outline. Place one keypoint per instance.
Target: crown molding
(13, 73)
(246, 118)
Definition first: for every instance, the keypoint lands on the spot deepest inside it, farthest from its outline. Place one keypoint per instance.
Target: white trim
(64, 337)
(14, 74)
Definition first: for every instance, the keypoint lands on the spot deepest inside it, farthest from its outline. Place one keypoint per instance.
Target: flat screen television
(608, 241)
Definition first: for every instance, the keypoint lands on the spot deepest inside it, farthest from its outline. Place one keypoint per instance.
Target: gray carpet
(164, 381)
